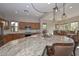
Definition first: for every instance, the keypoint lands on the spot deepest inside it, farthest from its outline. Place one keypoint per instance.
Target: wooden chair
(76, 41)
(60, 49)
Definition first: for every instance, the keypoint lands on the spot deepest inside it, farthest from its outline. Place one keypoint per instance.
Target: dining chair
(60, 49)
(76, 41)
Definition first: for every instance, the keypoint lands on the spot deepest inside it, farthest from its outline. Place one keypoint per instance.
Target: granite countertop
(30, 46)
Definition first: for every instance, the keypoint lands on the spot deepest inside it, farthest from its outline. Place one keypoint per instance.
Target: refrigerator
(1, 34)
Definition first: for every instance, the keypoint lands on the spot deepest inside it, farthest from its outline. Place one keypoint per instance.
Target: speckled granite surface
(30, 46)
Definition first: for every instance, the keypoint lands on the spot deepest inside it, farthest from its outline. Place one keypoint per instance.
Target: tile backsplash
(20, 31)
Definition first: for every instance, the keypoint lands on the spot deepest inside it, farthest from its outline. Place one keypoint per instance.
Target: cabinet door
(6, 38)
(1, 24)
(10, 37)
(1, 40)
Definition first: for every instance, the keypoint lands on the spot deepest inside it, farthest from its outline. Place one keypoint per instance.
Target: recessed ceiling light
(56, 10)
(70, 7)
(49, 3)
(27, 6)
(16, 12)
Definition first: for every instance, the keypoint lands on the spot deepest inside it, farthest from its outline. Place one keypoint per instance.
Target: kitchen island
(31, 46)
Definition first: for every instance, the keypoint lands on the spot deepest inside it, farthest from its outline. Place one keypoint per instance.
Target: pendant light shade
(55, 10)
(64, 15)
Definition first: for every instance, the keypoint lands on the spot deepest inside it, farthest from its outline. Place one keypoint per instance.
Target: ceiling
(26, 11)
(71, 9)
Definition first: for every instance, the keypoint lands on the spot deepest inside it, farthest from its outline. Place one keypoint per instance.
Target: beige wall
(51, 24)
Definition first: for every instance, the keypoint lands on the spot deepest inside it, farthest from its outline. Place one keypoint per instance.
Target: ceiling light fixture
(55, 10)
(49, 3)
(70, 7)
(56, 7)
(26, 11)
(64, 16)
(27, 6)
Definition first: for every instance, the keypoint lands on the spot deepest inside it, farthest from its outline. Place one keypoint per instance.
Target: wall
(50, 25)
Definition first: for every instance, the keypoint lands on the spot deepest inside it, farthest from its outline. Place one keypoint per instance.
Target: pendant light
(56, 7)
(64, 16)
(55, 10)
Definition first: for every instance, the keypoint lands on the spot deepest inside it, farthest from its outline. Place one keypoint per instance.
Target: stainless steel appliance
(1, 34)
(28, 31)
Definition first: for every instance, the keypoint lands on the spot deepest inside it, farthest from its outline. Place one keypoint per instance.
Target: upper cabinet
(14, 26)
(23, 25)
(5, 23)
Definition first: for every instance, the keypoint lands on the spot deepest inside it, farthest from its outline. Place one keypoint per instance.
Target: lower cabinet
(1, 41)
(11, 37)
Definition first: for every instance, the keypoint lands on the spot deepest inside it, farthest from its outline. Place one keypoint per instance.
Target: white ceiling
(16, 10)
(70, 12)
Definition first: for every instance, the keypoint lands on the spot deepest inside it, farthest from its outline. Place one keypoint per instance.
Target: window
(44, 26)
(69, 26)
(14, 26)
(60, 27)
(74, 26)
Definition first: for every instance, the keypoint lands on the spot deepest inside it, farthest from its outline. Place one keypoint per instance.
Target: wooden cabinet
(7, 38)
(5, 23)
(35, 25)
(22, 25)
(1, 24)
(1, 40)
(11, 37)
